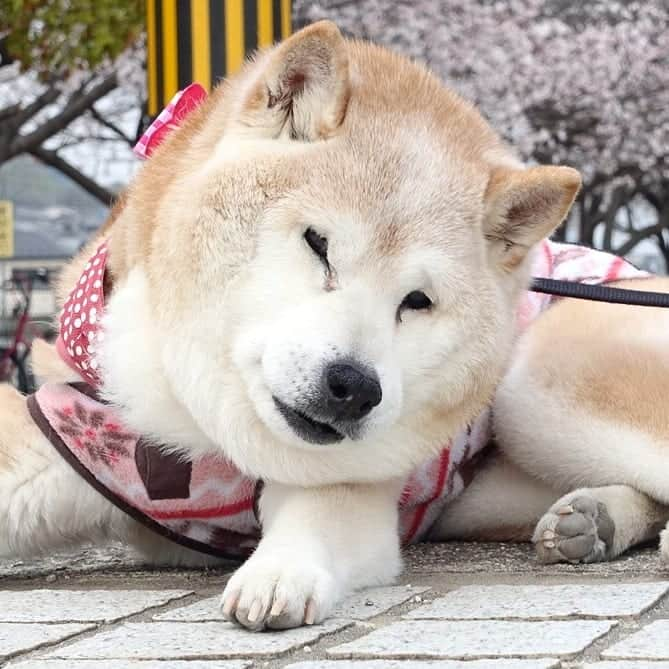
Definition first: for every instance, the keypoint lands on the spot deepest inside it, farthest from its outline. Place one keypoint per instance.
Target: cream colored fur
(580, 415)
(219, 307)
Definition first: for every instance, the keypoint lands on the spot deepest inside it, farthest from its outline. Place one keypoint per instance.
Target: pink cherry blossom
(579, 83)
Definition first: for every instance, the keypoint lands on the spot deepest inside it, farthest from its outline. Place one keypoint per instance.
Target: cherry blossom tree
(581, 83)
(72, 85)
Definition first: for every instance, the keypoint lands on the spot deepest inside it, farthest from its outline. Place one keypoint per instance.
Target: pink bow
(182, 104)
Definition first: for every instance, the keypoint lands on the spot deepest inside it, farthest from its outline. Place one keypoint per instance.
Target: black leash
(584, 291)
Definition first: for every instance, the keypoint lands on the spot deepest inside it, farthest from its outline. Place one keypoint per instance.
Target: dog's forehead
(402, 182)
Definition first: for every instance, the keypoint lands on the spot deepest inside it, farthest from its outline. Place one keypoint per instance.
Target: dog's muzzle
(347, 393)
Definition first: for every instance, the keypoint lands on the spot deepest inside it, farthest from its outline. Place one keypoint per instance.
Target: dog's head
(319, 272)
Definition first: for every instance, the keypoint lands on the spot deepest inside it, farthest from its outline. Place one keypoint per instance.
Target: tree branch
(48, 97)
(639, 235)
(652, 198)
(111, 126)
(76, 106)
(619, 198)
(8, 112)
(52, 159)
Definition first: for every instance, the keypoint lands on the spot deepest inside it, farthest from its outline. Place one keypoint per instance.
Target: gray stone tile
(627, 664)
(360, 606)
(650, 643)
(206, 610)
(210, 640)
(374, 601)
(535, 602)
(79, 606)
(434, 639)
(547, 663)
(18, 637)
(130, 664)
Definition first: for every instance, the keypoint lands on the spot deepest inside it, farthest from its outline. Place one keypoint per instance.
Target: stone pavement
(458, 606)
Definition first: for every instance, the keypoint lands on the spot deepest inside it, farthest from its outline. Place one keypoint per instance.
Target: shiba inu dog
(309, 292)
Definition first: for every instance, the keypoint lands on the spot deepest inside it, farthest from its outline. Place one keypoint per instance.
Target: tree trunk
(52, 159)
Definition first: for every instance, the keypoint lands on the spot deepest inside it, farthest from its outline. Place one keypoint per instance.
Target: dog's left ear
(524, 206)
(301, 87)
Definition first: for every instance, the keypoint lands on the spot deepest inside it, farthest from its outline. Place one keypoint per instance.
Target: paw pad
(576, 529)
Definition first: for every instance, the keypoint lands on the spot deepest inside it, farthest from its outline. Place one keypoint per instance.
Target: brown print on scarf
(104, 441)
(165, 475)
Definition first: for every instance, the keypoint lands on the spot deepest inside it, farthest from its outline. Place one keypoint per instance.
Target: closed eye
(317, 243)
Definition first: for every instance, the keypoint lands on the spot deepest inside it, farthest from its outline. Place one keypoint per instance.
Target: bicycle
(14, 366)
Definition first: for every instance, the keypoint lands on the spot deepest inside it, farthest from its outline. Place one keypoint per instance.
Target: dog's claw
(254, 611)
(549, 544)
(310, 613)
(278, 606)
(548, 535)
(229, 604)
(565, 510)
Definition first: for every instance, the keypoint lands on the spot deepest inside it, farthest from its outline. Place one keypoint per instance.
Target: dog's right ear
(523, 206)
(301, 88)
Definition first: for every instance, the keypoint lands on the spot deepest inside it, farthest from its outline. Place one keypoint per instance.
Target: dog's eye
(416, 300)
(317, 243)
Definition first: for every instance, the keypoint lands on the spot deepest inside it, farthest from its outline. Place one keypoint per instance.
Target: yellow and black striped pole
(206, 40)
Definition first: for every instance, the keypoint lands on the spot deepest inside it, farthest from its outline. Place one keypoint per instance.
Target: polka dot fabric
(80, 333)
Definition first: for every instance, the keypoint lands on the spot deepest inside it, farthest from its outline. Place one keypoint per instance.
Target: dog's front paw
(279, 592)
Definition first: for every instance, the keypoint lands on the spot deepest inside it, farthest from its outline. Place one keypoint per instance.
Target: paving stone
(206, 610)
(360, 606)
(535, 602)
(547, 663)
(211, 640)
(651, 643)
(433, 639)
(130, 664)
(79, 606)
(374, 601)
(17, 637)
(626, 664)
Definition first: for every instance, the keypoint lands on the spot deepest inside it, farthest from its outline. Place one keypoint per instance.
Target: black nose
(352, 390)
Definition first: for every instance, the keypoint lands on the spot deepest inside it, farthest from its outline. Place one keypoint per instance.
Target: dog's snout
(352, 390)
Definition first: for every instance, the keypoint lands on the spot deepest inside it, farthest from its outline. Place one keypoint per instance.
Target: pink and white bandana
(79, 333)
(182, 104)
(206, 505)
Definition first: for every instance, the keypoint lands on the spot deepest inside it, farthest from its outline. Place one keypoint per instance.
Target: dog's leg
(583, 407)
(664, 545)
(596, 524)
(502, 503)
(318, 544)
(44, 504)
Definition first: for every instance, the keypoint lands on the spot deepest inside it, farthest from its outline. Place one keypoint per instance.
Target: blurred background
(578, 83)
